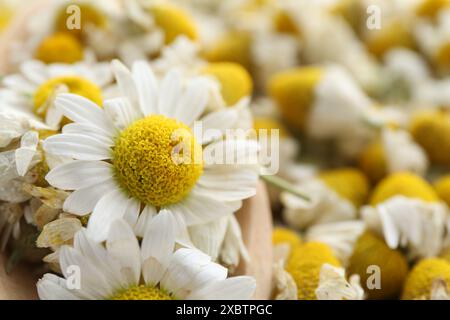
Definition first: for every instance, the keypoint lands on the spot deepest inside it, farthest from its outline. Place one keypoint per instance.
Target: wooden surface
(19, 285)
(255, 219)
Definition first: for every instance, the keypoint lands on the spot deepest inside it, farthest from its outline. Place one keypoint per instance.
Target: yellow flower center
(142, 292)
(234, 80)
(59, 47)
(174, 21)
(75, 85)
(304, 265)
(157, 160)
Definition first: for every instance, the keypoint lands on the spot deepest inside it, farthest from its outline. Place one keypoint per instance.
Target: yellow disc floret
(304, 266)
(395, 33)
(373, 161)
(88, 15)
(72, 84)
(403, 184)
(142, 292)
(431, 8)
(174, 21)
(232, 47)
(442, 187)
(157, 160)
(284, 23)
(282, 235)
(431, 129)
(235, 81)
(349, 183)
(420, 280)
(59, 47)
(294, 92)
(370, 250)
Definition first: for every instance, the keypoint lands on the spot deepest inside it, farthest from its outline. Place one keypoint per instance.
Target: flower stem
(284, 185)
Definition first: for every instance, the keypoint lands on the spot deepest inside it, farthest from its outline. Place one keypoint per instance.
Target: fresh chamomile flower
(431, 129)
(335, 195)
(139, 154)
(382, 270)
(421, 279)
(326, 103)
(150, 271)
(394, 151)
(32, 91)
(340, 236)
(406, 211)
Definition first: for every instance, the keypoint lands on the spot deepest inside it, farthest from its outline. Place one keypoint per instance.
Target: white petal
(228, 184)
(217, 122)
(77, 146)
(112, 206)
(51, 287)
(83, 201)
(123, 246)
(170, 93)
(144, 220)
(192, 103)
(185, 264)
(82, 110)
(88, 130)
(198, 208)
(125, 81)
(208, 237)
(147, 87)
(121, 112)
(157, 247)
(236, 288)
(79, 174)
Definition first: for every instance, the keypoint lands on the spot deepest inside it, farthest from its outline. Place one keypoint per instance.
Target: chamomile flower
(144, 156)
(326, 103)
(31, 92)
(382, 270)
(395, 151)
(61, 31)
(422, 277)
(150, 271)
(335, 195)
(333, 285)
(406, 211)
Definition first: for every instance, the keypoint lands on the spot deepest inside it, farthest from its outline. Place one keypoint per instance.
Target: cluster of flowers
(94, 93)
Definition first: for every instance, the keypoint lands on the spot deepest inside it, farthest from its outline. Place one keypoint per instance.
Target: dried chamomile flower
(395, 151)
(382, 270)
(340, 236)
(431, 129)
(333, 285)
(326, 103)
(305, 264)
(58, 232)
(406, 211)
(335, 195)
(422, 277)
(152, 272)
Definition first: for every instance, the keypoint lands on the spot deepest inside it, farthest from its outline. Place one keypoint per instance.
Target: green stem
(284, 185)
